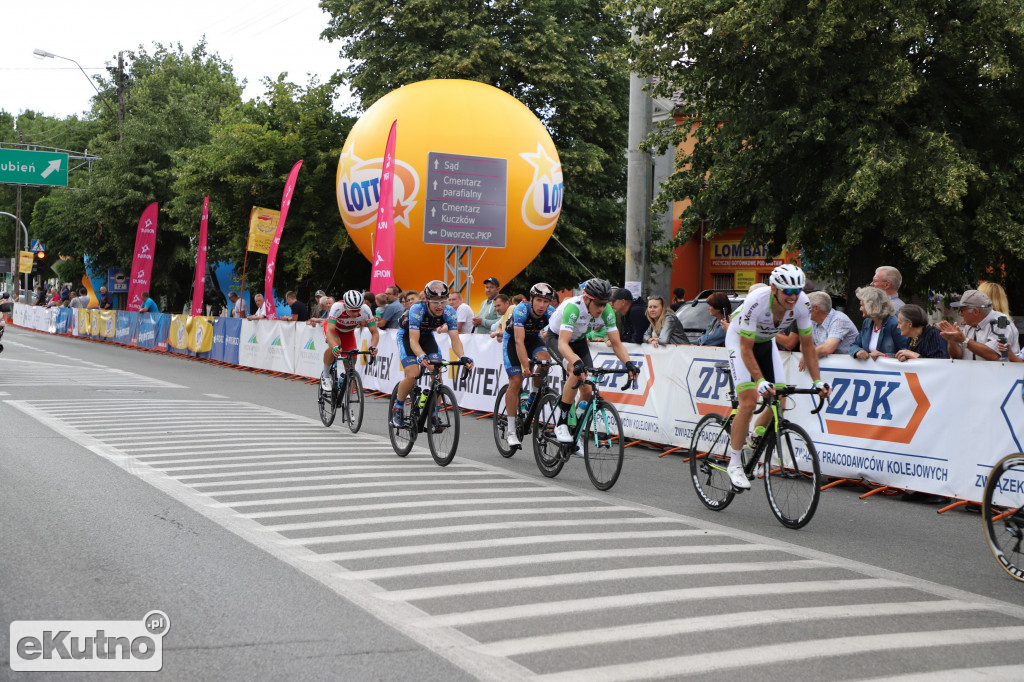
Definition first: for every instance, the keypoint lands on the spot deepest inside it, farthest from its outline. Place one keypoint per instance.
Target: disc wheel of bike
(502, 423)
(709, 459)
(792, 476)
(328, 400)
(402, 439)
(1003, 510)
(603, 448)
(545, 446)
(352, 402)
(443, 426)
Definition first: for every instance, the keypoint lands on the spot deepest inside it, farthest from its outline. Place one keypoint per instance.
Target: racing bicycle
(434, 411)
(598, 429)
(346, 392)
(785, 457)
(1002, 508)
(524, 419)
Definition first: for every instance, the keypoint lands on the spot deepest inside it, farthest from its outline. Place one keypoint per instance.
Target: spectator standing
(239, 308)
(996, 294)
(299, 312)
(321, 308)
(148, 304)
(463, 312)
(78, 302)
(832, 331)
(879, 335)
(632, 320)
(924, 340)
(678, 299)
(106, 300)
(410, 298)
(40, 296)
(978, 339)
(889, 279)
(261, 308)
(393, 309)
(720, 308)
(379, 301)
(504, 309)
(370, 299)
(664, 328)
(488, 315)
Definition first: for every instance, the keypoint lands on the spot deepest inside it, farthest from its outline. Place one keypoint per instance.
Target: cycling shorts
(427, 342)
(768, 360)
(347, 340)
(533, 345)
(581, 347)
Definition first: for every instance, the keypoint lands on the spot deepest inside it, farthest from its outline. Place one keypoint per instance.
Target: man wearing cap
(487, 316)
(632, 320)
(979, 338)
(322, 309)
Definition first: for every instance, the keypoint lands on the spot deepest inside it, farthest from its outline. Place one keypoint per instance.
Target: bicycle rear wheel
(502, 423)
(443, 426)
(353, 401)
(1003, 511)
(546, 448)
(402, 439)
(792, 478)
(709, 459)
(328, 400)
(603, 448)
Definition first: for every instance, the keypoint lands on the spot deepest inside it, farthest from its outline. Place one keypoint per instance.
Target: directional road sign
(466, 200)
(22, 167)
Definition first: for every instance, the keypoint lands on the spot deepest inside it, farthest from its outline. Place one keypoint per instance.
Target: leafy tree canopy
(561, 58)
(863, 133)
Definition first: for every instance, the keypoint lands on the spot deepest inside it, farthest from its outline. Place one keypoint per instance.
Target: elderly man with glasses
(980, 337)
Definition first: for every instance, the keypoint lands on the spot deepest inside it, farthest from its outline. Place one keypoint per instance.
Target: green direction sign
(21, 167)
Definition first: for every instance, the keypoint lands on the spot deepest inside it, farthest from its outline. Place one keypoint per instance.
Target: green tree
(561, 58)
(246, 163)
(863, 133)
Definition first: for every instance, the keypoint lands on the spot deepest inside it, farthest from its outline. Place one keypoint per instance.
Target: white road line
(995, 673)
(633, 600)
(416, 475)
(177, 459)
(348, 486)
(491, 543)
(256, 439)
(792, 651)
(216, 395)
(487, 586)
(410, 505)
(535, 559)
(293, 470)
(725, 621)
(153, 452)
(376, 496)
(356, 459)
(440, 516)
(478, 528)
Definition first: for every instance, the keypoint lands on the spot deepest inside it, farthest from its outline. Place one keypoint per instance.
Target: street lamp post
(43, 54)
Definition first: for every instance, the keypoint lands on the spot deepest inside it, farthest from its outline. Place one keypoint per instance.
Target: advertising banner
(177, 334)
(107, 323)
(63, 321)
(267, 344)
(200, 336)
(226, 333)
(262, 225)
(286, 202)
(200, 279)
(382, 273)
(142, 261)
(25, 261)
(153, 330)
(126, 329)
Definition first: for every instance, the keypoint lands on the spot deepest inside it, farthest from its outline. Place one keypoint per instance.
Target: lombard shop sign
(734, 254)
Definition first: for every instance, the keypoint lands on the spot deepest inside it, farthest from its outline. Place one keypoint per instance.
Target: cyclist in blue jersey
(522, 344)
(416, 343)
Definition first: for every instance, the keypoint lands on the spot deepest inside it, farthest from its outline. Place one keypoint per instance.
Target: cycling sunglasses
(791, 292)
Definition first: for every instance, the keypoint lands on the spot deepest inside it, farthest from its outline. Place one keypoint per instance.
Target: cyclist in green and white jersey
(754, 358)
(567, 341)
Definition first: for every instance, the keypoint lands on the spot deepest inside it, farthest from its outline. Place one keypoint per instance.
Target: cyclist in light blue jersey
(522, 344)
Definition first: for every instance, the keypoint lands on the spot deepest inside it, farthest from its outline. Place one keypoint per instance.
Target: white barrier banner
(34, 317)
(267, 344)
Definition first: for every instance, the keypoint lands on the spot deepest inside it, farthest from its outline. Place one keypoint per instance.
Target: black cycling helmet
(542, 289)
(436, 290)
(598, 289)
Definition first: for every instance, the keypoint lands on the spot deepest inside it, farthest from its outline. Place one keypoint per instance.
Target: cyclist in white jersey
(567, 341)
(754, 359)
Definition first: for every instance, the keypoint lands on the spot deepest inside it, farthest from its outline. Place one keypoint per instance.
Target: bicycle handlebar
(781, 391)
(355, 353)
(598, 371)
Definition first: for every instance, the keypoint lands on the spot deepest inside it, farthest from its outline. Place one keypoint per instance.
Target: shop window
(723, 280)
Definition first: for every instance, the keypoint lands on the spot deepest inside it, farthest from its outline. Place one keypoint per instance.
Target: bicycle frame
(594, 379)
(436, 381)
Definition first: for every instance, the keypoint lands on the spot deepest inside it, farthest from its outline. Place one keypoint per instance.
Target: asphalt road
(134, 481)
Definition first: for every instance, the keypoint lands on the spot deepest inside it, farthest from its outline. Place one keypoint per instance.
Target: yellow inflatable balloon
(473, 167)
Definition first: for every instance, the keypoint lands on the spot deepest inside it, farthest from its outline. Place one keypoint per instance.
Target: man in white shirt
(238, 305)
(261, 308)
(462, 311)
(979, 338)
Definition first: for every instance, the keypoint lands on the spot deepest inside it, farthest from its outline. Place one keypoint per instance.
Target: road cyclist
(754, 360)
(566, 340)
(347, 315)
(417, 345)
(521, 345)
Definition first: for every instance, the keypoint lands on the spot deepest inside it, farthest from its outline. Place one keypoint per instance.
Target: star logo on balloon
(542, 202)
(358, 189)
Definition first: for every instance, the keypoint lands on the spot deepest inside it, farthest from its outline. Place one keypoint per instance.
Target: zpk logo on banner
(874, 405)
(613, 385)
(708, 387)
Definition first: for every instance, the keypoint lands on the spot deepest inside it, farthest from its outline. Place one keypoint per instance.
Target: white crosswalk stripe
(519, 577)
(31, 373)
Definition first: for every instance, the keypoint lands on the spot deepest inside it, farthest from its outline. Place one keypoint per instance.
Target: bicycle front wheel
(502, 424)
(792, 478)
(402, 439)
(1003, 511)
(709, 459)
(443, 426)
(353, 401)
(546, 448)
(328, 400)
(603, 448)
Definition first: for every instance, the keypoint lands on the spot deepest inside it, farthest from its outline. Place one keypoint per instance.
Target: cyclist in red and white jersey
(345, 317)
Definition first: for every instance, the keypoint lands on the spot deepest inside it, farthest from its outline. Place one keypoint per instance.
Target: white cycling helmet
(353, 299)
(788, 276)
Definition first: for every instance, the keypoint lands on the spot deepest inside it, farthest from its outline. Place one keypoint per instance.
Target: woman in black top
(924, 339)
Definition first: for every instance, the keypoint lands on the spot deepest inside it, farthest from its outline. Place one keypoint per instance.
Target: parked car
(694, 314)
